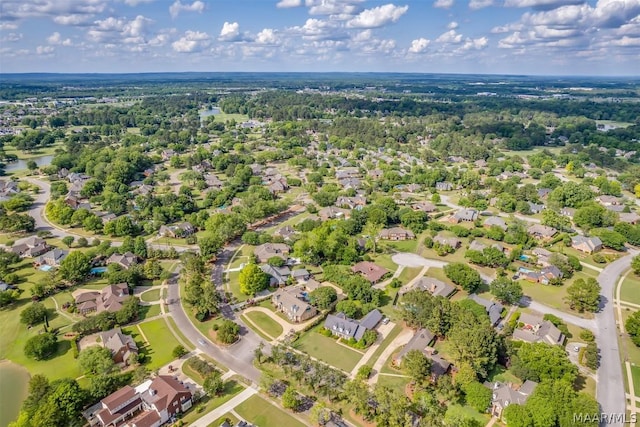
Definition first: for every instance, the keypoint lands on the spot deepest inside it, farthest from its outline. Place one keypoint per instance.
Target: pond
(14, 382)
(210, 112)
(22, 164)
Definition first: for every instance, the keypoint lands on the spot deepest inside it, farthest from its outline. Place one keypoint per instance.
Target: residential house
(420, 340)
(414, 188)
(121, 346)
(495, 221)
(286, 232)
(356, 202)
(424, 207)
(468, 215)
(493, 309)
(568, 212)
(110, 298)
(348, 172)
(116, 408)
(213, 181)
(301, 275)
(536, 208)
(477, 246)
(375, 174)
(482, 163)
(332, 212)
(278, 276)
(30, 247)
(434, 286)
(270, 250)
(167, 397)
(630, 218)
(605, 200)
(542, 255)
(396, 233)
(53, 258)
(543, 193)
(535, 329)
(349, 183)
(615, 208)
(444, 186)
(182, 229)
(370, 271)
(346, 328)
(454, 242)
(439, 366)
(167, 154)
(543, 232)
(290, 301)
(505, 394)
(278, 186)
(125, 260)
(544, 276)
(587, 245)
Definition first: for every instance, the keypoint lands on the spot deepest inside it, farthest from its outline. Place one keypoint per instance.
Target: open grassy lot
(260, 412)
(148, 311)
(234, 286)
(179, 333)
(630, 290)
(161, 343)
(397, 383)
(328, 350)
(468, 412)
(25, 155)
(404, 245)
(408, 274)
(384, 260)
(207, 404)
(266, 323)
(151, 296)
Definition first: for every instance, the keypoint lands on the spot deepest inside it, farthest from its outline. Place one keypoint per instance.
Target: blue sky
(559, 37)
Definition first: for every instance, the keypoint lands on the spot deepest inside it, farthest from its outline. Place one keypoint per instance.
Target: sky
(535, 37)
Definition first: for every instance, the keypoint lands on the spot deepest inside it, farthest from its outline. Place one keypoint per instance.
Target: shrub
(41, 346)
(587, 335)
(179, 351)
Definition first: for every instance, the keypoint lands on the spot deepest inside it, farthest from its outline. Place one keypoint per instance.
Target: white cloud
(44, 50)
(20, 9)
(159, 40)
(283, 4)
(56, 39)
(339, 8)
(8, 26)
(378, 16)
(362, 36)
(419, 45)
(541, 4)
(120, 31)
(192, 41)
(318, 29)
(443, 4)
(137, 2)
(479, 4)
(12, 37)
(267, 36)
(230, 32)
(452, 25)
(449, 37)
(475, 44)
(73, 20)
(177, 7)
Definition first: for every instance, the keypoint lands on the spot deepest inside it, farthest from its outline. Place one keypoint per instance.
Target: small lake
(211, 112)
(14, 384)
(22, 164)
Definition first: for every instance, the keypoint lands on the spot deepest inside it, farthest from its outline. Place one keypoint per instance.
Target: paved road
(610, 389)
(590, 324)
(237, 357)
(408, 259)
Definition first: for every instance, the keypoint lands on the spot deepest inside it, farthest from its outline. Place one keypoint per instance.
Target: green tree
(540, 361)
(610, 239)
(41, 346)
(228, 332)
(477, 396)
(179, 351)
(632, 325)
(635, 264)
(96, 360)
(323, 297)
(464, 276)
(584, 295)
(517, 416)
(252, 280)
(213, 384)
(68, 240)
(33, 314)
(75, 267)
(417, 365)
(506, 290)
(364, 372)
(291, 399)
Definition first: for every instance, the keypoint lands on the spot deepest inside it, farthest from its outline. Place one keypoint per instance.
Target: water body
(211, 112)
(22, 164)
(14, 384)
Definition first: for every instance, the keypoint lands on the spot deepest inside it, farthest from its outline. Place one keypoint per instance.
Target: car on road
(201, 341)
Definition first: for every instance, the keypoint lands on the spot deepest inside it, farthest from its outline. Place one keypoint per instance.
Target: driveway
(408, 259)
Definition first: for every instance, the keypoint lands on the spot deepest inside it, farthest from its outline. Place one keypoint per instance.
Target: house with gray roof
(505, 394)
(53, 258)
(278, 276)
(587, 245)
(454, 242)
(467, 215)
(444, 186)
(420, 340)
(121, 346)
(535, 329)
(30, 247)
(340, 325)
(543, 232)
(429, 284)
(270, 250)
(495, 221)
(493, 308)
(290, 301)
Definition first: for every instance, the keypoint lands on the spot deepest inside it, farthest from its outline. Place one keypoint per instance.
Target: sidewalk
(224, 408)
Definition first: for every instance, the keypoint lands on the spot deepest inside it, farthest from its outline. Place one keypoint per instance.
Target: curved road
(610, 387)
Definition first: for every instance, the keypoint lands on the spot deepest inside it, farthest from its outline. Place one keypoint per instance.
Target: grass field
(177, 331)
(258, 411)
(404, 245)
(467, 412)
(635, 373)
(25, 155)
(385, 343)
(266, 323)
(328, 350)
(630, 290)
(229, 417)
(161, 343)
(147, 311)
(397, 383)
(408, 274)
(231, 389)
(151, 296)
(385, 261)
(234, 286)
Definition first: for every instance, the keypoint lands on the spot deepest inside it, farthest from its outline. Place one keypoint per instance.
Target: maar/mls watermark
(605, 418)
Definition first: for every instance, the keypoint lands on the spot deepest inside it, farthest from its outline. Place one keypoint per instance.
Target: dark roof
(371, 319)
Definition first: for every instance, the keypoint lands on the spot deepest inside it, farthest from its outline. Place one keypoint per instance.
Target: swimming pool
(98, 270)
(45, 267)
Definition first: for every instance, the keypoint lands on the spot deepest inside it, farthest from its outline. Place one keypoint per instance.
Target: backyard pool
(98, 270)
(45, 267)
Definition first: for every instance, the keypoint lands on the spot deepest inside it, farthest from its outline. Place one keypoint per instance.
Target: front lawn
(635, 373)
(396, 383)
(630, 290)
(151, 296)
(260, 412)
(265, 323)
(161, 343)
(148, 311)
(467, 412)
(385, 343)
(328, 350)
(404, 245)
(207, 404)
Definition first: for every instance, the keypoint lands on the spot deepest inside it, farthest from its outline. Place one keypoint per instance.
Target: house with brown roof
(535, 329)
(587, 245)
(110, 298)
(286, 232)
(495, 221)
(53, 258)
(370, 271)
(114, 409)
(542, 255)
(269, 250)
(182, 229)
(427, 207)
(505, 394)
(125, 260)
(629, 217)
(429, 284)
(121, 346)
(332, 212)
(454, 242)
(396, 233)
(290, 301)
(30, 247)
(167, 397)
(356, 202)
(605, 200)
(543, 232)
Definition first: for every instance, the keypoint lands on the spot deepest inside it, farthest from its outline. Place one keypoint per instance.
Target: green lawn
(467, 412)
(630, 290)
(151, 296)
(266, 323)
(260, 412)
(408, 274)
(147, 311)
(195, 376)
(161, 343)
(404, 245)
(397, 383)
(206, 405)
(501, 374)
(328, 350)
(179, 333)
(234, 286)
(385, 261)
(385, 343)
(635, 373)
(229, 417)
